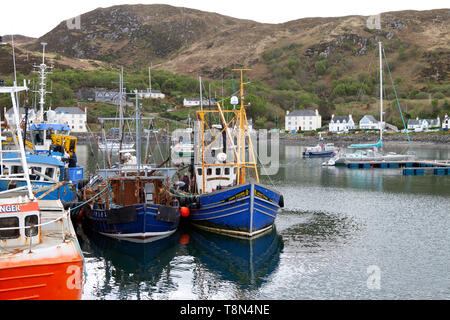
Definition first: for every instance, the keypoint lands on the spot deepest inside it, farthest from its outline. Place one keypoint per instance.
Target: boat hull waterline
(245, 210)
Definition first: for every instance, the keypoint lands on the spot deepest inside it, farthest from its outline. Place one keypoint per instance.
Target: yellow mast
(241, 138)
(241, 121)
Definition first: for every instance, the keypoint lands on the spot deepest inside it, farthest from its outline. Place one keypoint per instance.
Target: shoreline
(339, 140)
(416, 138)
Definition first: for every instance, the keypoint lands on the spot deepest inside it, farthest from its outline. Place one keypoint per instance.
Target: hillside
(325, 63)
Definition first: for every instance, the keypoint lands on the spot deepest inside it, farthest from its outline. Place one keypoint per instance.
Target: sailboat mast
(381, 90)
(150, 78)
(201, 96)
(120, 103)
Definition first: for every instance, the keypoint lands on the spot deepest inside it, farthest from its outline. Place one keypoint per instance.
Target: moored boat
(131, 201)
(40, 257)
(321, 150)
(222, 198)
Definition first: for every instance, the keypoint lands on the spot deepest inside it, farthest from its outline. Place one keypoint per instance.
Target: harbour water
(340, 229)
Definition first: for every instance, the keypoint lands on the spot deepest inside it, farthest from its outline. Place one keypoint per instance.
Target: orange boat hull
(45, 278)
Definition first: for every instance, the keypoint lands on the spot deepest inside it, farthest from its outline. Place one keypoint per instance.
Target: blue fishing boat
(50, 178)
(223, 199)
(131, 201)
(51, 153)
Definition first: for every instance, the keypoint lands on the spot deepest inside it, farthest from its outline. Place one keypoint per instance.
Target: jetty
(410, 167)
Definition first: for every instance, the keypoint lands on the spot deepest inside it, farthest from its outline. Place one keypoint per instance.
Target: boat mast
(242, 165)
(138, 134)
(42, 74)
(381, 91)
(120, 103)
(201, 97)
(150, 78)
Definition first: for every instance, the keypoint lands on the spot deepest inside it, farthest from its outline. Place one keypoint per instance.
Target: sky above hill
(35, 18)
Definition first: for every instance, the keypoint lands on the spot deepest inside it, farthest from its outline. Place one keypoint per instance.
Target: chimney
(287, 112)
(317, 112)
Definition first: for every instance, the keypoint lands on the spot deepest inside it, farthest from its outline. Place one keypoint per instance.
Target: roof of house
(369, 117)
(301, 113)
(340, 119)
(433, 122)
(21, 111)
(414, 122)
(70, 110)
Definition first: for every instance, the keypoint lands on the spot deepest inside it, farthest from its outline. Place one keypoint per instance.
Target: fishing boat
(51, 153)
(370, 151)
(40, 257)
(222, 199)
(131, 201)
(321, 150)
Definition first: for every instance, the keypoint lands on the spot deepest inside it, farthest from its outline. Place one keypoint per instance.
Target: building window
(227, 171)
(218, 171)
(200, 172)
(209, 172)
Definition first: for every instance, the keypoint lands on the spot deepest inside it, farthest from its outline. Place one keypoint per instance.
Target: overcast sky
(37, 17)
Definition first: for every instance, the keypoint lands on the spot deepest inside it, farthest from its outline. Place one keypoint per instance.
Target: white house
(423, 124)
(195, 102)
(369, 122)
(74, 117)
(341, 123)
(151, 94)
(9, 115)
(446, 122)
(305, 120)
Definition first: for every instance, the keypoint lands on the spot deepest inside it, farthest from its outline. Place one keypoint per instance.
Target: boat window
(35, 177)
(227, 171)
(209, 172)
(200, 172)
(12, 222)
(49, 172)
(31, 221)
(218, 171)
(38, 137)
(16, 169)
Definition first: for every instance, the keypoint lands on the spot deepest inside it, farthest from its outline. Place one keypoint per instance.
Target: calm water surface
(336, 223)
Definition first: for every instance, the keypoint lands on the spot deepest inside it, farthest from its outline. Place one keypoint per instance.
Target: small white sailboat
(369, 152)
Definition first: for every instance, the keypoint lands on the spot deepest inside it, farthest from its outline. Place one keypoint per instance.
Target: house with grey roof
(74, 117)
(195, 102)
(112, 97)
(423, 124)
(9, 115)
(151, 94)
(304, 120)
(368, 122)
(341, 123)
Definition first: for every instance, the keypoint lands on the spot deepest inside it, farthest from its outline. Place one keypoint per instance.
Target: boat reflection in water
(246, 262)
(135, 268)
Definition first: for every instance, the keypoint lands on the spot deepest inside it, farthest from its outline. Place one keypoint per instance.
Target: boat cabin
(16, 224)
(42, 168)
(43, 136)
(216, 177)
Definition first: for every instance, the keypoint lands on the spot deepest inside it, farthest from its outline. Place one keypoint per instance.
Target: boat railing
(146, 172)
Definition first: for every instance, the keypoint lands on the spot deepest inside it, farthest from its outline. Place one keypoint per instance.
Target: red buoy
(185, 212)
